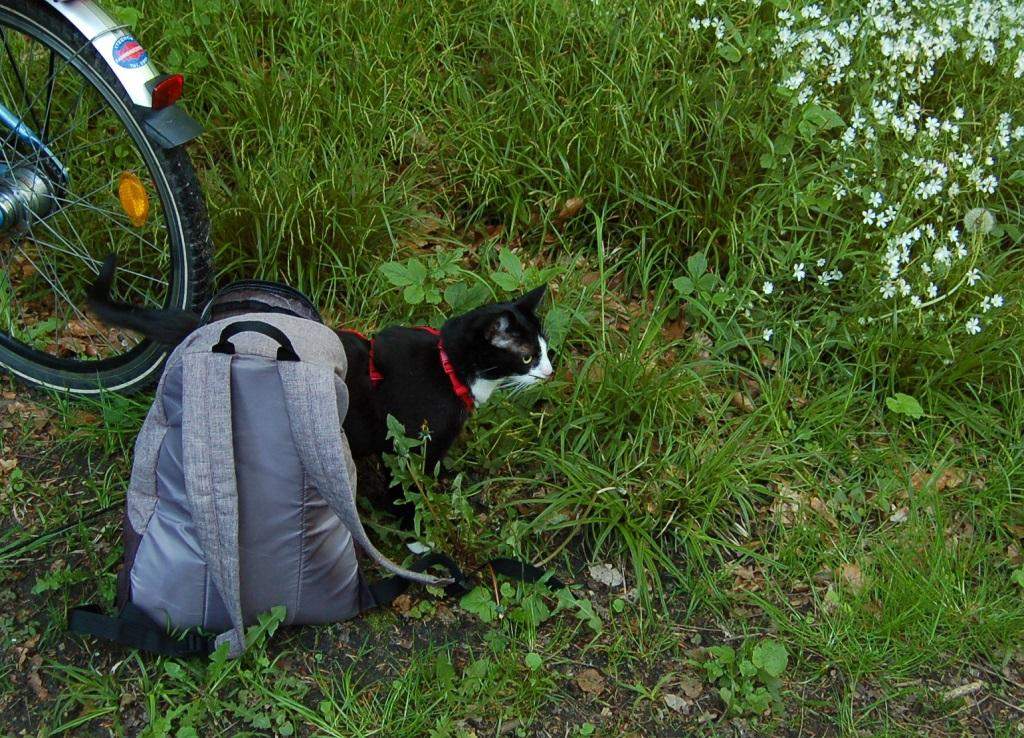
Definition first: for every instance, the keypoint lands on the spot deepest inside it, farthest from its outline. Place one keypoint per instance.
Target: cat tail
(167, 327)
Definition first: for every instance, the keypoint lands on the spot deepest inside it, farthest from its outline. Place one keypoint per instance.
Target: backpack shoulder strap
(140, 500)
(209, 463)
(312, 400)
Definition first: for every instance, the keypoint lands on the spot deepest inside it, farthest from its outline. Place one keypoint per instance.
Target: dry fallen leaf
(950, 479)
(1013, 557)
(677, 703)
(590, 681)
(818, 505)
(36, 683)
(402, 604)
(900, 516)
(673, 330)
(850, 574)
(691, 687)
(7, 465)
(23, 650)
(607, 575)
(740, 401)
(571, 207)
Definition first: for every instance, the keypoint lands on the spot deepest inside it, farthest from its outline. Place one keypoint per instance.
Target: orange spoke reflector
(134, 198)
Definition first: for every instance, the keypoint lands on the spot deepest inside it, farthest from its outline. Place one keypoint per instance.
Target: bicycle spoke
(18, 76)
(123, 226)
(50, 79)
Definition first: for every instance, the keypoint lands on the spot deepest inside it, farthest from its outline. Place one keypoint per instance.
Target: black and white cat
(423, 377)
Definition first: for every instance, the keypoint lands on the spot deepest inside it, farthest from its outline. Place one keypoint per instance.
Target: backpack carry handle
(285, 351)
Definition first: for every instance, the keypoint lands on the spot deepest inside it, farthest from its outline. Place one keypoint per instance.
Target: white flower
(973, 277)
(973, 326)
(915, 301)
(798, 272)
(933, 290)
(888, 290)
(768, 288)
(767, 335)
(996, 301)
(875, 199)
(820, 263)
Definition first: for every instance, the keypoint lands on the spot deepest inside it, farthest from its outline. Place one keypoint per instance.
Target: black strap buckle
(197, 643)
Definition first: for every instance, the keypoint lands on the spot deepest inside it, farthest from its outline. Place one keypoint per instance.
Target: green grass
(749, 490)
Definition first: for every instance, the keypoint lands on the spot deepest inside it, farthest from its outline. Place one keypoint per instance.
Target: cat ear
(531, 300)
(497, 330)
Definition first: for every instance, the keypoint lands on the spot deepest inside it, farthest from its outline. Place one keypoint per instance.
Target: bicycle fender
(169, 127)
(122, 52)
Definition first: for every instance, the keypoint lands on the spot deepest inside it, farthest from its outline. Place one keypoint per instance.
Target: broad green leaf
(414, 294)
(782, 145)
(478, 669)
(396, 273)
(585, 612)
(443, 669)
(725, 654)
(706, 282)
(759, 700)
(416, 270)
(822, 117)
(557, 322)
(462, 297)
(533, 661)
(770, 656)
(479, 603)
(683, 285)
(506, 281)
(729, 52)
(905, 405)
(532, 611)
(511, 264)
(697, 264)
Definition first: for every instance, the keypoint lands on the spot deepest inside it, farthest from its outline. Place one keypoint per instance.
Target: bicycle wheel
(85, 183)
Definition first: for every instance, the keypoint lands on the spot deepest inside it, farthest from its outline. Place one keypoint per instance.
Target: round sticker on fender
(128, 53)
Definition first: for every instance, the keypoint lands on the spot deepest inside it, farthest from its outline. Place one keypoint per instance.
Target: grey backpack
(242, 488)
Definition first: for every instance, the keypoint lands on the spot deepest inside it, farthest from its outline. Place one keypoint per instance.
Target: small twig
(1018, 708)
(963, 690)
(494, 583)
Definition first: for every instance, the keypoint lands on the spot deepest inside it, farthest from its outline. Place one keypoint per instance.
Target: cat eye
(528, 359)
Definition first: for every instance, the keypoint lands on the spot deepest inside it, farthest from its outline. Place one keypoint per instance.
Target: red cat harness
(458, 386)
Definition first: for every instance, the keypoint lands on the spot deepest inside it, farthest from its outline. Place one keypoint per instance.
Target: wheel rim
(65, 225)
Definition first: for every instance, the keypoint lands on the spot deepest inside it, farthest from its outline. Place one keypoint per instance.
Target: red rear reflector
(167, 91)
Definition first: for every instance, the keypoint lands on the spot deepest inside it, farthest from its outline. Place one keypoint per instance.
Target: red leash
(458, 386)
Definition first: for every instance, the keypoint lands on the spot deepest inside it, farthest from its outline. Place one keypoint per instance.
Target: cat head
(501, 345)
